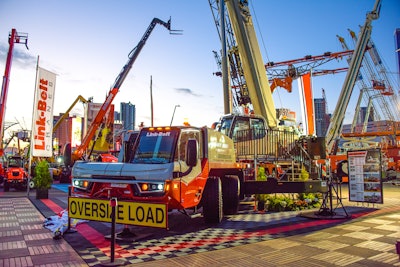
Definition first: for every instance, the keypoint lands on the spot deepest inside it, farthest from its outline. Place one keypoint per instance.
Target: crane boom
(14, 37)
(98, 120)
(66, 114)
(336, 124)
(251, 59)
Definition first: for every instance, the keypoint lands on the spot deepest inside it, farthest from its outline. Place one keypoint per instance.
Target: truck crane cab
(232, 124)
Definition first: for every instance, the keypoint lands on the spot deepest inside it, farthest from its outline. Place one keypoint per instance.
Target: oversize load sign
(132, 213)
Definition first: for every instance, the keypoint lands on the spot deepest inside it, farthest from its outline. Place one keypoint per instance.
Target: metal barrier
(277, 146)
(264, 143)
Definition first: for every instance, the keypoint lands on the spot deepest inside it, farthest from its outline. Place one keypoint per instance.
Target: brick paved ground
(364, 241)
(25, 242)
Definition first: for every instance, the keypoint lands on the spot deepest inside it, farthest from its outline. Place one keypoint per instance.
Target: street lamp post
(173, 114)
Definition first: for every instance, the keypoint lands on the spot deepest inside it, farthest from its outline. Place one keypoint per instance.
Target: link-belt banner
(42, 121)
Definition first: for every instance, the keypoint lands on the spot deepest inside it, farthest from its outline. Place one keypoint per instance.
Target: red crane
(14, 37)
(18, 38)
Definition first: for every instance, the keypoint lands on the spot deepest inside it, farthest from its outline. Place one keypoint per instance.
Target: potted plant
(42, 180)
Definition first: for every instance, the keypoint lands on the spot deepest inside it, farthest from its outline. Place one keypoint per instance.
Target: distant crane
(336, 124)
(379, 77)
(375, 90)
(284, 77)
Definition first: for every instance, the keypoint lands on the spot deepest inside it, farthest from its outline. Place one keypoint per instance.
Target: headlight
(151, 187)
(81, 184)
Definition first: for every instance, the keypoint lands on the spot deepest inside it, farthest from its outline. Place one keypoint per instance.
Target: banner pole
(30, 143)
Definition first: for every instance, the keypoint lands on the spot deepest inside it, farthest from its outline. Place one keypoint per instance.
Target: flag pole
(31, 143)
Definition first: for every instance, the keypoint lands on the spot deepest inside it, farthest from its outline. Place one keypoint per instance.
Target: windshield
(226, 125)
(155, 146)
(241, 128)
(14, 162)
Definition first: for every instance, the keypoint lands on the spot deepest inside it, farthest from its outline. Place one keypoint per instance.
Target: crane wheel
(230, 194)
(212, 201)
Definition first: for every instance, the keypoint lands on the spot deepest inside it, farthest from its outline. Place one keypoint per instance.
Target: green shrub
(42, 178)
(300, 202)
(304, 175)
(261, 176)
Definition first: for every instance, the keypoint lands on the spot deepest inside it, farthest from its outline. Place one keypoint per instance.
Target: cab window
(184, 137)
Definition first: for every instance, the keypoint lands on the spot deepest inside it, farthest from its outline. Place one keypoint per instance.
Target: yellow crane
(66, 114)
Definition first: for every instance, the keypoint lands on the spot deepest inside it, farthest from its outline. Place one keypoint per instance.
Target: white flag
(42, 120)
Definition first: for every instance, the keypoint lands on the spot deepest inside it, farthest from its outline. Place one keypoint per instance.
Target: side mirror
(216, 126)
(191, 152)
(126, 152)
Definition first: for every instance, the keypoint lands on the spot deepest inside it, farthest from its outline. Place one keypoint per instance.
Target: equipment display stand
(327, 209)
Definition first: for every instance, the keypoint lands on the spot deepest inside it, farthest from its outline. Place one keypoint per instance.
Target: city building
(128, 116)
(363, 114)
(322, 117)
(63, 134)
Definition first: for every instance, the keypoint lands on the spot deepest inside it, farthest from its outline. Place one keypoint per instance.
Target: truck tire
(212, 201)
(6, 186)
(230, 194)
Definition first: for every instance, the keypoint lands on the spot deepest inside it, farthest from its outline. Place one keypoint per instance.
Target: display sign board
(126, 212)
(365, 180)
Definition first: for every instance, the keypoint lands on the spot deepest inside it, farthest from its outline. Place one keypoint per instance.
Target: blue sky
(86, 43)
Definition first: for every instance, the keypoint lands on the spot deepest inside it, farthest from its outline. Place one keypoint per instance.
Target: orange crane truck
(183, 167)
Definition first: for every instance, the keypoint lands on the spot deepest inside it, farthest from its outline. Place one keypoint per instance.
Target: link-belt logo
(158, 134)
(40, 123)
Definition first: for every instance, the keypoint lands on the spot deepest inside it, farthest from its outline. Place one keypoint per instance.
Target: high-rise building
(117, 116)
(363, 114)
(322, 118)
(128, 116)
(63, 135)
